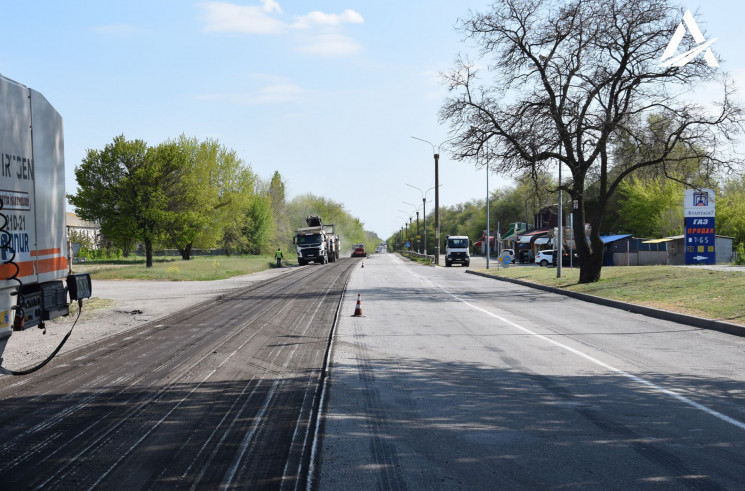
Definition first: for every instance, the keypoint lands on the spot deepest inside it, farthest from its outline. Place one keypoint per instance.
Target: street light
(424, 212)
(560, 250)
(437, 194)
(487, 217)
(408, 225)
(419, 244)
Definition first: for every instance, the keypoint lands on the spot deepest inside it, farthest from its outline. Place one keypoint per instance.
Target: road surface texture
(218, 396)
(453, 381)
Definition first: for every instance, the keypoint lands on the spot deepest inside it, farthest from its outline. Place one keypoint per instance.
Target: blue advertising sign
(699, 240)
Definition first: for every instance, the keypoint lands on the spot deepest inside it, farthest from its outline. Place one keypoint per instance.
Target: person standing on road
(278, 255)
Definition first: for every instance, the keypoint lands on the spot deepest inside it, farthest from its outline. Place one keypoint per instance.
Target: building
(76, 225)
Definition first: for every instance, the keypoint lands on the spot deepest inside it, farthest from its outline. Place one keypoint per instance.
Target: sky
(328, 93)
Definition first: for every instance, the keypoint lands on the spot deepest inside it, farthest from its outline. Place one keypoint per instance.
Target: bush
(740, 254)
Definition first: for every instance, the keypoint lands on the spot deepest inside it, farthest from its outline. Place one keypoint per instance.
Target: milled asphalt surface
(132, 303)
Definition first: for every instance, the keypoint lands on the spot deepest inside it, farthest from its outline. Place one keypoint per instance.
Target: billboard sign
(699, 212)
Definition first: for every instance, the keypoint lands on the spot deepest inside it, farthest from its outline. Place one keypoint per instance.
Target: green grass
(417, 259)
(199, 268)
(706, 293)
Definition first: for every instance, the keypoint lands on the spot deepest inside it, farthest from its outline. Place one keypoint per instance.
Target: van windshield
(458, 243)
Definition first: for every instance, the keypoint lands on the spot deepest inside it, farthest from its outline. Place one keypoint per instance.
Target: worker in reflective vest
(278, 255)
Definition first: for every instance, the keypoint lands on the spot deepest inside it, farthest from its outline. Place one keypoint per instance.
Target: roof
(536, 232)
(612, 238)
(657, 241)
(75, 221)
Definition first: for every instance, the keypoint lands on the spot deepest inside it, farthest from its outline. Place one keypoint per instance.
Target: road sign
(407, 245)
(700, 240)
(505, 259)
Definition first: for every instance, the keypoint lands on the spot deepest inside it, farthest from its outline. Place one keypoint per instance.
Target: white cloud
(229, 17)
(262, 19)
(317, 18)
(330, 45)
(272, 6)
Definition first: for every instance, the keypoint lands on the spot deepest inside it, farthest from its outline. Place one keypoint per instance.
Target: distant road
(453, 381)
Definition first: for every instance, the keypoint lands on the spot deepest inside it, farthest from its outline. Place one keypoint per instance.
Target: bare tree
(565, 80)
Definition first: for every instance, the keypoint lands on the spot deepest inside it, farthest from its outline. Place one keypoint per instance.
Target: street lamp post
(487, 217)
(437, 194)
(560, 250)
(424, 212)
(409, 228)
(416, 208)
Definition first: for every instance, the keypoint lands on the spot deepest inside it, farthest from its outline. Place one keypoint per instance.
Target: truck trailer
(33, 233)
(316, 243)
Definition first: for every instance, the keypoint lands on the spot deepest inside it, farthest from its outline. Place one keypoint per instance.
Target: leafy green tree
(282, 227)
(730, 209)
(184, 215)
(258, 225)
(652, 207)
(120, 187)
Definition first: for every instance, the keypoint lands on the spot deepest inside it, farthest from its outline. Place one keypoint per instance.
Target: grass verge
(199, 268)
(705, 293)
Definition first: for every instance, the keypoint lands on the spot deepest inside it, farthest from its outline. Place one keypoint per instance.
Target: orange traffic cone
(358, 308)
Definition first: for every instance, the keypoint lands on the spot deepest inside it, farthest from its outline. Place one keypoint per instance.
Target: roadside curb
(700, 322)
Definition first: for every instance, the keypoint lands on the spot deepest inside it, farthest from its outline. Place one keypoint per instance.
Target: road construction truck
(33, 235)
(316, 243)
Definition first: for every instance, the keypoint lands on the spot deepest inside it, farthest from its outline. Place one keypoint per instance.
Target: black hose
(5, 371)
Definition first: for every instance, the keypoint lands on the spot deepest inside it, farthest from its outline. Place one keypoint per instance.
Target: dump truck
(316, 243)
(33, 232)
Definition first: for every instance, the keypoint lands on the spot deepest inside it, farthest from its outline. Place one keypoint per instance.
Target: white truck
(316, 242)
(457, 250)
(33, 235)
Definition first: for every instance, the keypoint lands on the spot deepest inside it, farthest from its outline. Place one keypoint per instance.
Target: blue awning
(613, 238)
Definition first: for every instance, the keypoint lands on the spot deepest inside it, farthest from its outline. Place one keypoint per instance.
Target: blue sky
(328, 93)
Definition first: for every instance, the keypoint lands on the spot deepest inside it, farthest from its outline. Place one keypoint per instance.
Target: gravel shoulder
(123, 305)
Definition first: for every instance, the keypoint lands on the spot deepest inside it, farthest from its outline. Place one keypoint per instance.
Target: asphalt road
(448, 381)
(453, 381)
(223, 395)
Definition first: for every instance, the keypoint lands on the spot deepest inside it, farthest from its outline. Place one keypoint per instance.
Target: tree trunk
(186, 252)
(589, 272)
(148, 253)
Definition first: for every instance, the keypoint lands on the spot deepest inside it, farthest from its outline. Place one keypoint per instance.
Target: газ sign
(699, 226)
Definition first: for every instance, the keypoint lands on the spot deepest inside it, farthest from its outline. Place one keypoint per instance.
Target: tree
(569, 78)
(186, 210)
(282, 227)
(730, 206)
(651, 207)
(121, 188)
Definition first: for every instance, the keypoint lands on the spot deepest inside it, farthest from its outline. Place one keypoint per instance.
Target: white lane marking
(594, 360)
